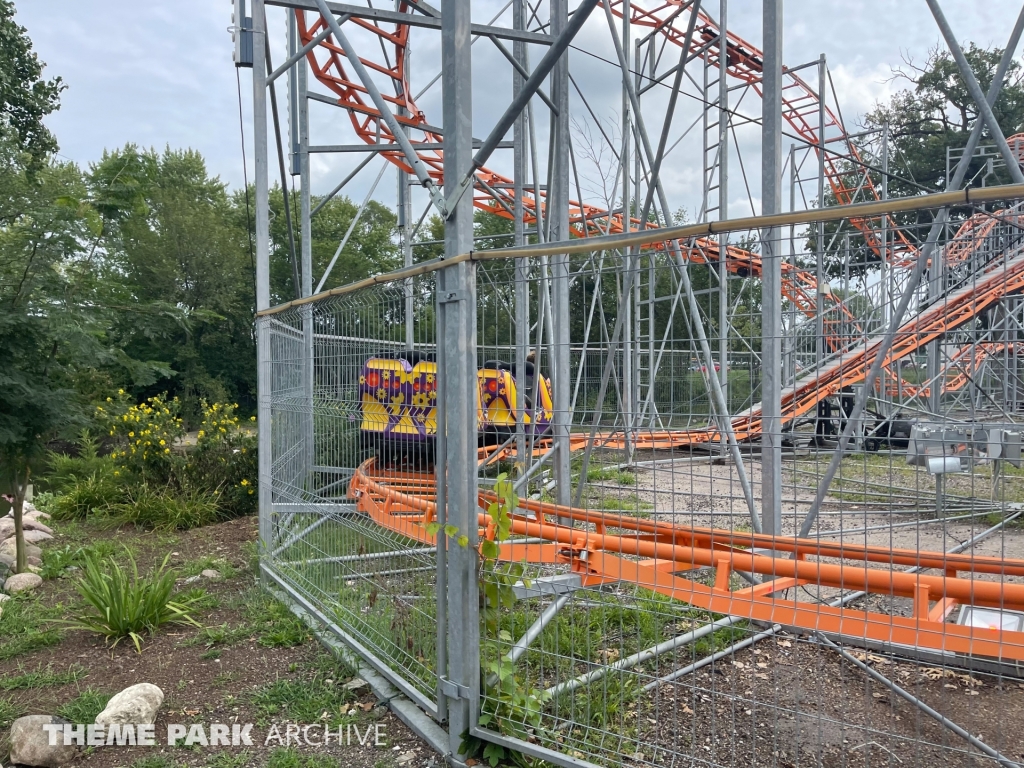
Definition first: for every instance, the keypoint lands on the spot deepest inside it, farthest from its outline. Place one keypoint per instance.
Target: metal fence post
(558, 212)
(457, 333)
(771, 318)
(262, 237)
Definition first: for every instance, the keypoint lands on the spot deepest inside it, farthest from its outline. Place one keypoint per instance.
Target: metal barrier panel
(640, 610)
(647, 621)
(340, 373)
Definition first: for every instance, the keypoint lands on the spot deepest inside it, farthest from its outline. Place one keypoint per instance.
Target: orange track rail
(654, 554)
(493, 192)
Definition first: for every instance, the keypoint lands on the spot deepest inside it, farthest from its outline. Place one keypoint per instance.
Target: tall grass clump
(121, 604)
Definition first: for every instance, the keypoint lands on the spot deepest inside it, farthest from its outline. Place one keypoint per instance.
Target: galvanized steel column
(558, 219)
(771, 301)
(457, 332)
(262, 236)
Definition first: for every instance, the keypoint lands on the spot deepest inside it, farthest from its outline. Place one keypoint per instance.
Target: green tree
(936, 112)
(55, 312)
(25, 97)
(184, 273)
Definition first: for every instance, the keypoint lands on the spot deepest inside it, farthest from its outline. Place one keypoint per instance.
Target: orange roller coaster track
(658, 556)
(605, 548)
(494, 193)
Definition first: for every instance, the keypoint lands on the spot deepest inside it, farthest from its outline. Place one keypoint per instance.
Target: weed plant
(121, 604)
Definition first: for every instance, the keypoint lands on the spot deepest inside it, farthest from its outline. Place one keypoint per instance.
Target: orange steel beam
(744, 63)
(600, 557)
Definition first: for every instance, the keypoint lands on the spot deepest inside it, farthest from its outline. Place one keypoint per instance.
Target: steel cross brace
(529, 89)
(386, 114)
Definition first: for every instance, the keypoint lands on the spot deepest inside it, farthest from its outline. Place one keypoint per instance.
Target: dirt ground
(787, 701)
(239, 670)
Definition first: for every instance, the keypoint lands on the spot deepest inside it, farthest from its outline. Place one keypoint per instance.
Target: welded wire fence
(641, 603)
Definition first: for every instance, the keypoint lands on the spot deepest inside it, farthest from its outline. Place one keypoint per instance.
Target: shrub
(64, 471)
(94, 492)
(145, 437)
(224, 460)
(164, 508)
(121, 604)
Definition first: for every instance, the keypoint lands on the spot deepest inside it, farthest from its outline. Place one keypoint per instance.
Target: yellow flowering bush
(224, 458)
(151, 447)
(146, 437)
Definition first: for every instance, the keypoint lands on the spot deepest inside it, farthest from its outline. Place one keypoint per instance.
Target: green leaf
(463, 541)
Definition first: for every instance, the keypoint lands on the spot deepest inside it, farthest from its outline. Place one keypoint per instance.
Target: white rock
(137, 704)
(209, 573)
(22, 582)
(30, 744)
(190, 579)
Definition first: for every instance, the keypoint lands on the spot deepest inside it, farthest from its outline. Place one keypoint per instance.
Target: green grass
(605, 475)
(629, 503)
(310, 699)
(9, 711)
(277, 626)
(208, 562)
(229, 759)
(27, 625)
(84, 707)
(286, 757)
(42, 678)
(56, 561)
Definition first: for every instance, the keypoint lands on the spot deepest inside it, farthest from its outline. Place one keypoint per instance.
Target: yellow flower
(167, 450)
(163, 442)
(131, 434)
(245, 482)
(120, 391)
(116, 473)
(250, 491)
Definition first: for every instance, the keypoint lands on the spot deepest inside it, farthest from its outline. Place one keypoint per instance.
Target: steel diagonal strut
(718, 396)
(385, 112)
(527, 92)
(927, 252)
(1012, 163)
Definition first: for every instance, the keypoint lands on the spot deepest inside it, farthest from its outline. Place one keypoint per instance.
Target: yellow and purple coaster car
(398, 401)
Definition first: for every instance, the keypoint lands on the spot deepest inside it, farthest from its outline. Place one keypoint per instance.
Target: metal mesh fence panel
(653, 605)
(341, 370)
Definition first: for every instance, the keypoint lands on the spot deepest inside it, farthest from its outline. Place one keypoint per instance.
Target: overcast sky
(160, 74)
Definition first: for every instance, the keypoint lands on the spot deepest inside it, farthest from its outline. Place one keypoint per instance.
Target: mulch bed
(196, 689)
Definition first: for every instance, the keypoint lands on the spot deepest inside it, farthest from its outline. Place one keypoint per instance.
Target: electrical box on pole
(241, 35)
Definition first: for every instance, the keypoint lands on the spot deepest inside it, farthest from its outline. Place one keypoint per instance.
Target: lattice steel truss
(726, 460)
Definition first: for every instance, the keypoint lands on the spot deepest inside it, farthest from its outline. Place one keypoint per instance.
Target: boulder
(22, 582)
(6, 528)
(9, 547)
(30, 744)
(30, 524)
(36, 514)
(209, 573)
(34, 561)
(34, 537)
(137, 704)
